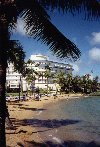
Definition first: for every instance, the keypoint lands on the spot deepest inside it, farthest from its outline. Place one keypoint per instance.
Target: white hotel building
(13, 77)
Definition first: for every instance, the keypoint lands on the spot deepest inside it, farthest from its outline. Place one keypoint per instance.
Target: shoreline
(26, 110)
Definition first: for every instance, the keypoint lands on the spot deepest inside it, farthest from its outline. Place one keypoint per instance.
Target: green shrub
(14, 94)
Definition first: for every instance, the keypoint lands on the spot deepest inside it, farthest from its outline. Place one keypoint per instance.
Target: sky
(84, 33)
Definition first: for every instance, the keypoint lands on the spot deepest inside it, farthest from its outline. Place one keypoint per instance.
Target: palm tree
(38, 25)
(86, 82)
(47, 75)
(40, 75)
(60, 79)
(30, 77)
(95, 84)
(76, 84)
(16, 55)
(30, 62)
(30, 73)
(69, 82)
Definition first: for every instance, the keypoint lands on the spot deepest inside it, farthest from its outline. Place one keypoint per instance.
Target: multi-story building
(39, 64)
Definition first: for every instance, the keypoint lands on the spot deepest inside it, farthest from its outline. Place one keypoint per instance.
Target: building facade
(39, 64)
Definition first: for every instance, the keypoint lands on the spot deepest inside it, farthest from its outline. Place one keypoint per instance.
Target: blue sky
(85, 34)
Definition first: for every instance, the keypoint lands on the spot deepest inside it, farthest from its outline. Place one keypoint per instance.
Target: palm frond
(91, 8)
(24, 6)
(40, 27)
(9, 12)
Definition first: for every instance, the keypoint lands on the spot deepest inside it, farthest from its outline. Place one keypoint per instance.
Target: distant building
(39, 64)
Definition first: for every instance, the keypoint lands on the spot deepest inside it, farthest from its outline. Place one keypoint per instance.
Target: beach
(22, 114)
(17, 112)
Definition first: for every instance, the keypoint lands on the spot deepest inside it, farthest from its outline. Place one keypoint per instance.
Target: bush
(43, 91)
(95, 94)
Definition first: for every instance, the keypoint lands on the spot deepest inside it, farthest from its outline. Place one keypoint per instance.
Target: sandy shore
(20, 112)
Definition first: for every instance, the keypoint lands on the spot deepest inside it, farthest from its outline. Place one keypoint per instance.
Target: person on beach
(37, 96)
(24, 97)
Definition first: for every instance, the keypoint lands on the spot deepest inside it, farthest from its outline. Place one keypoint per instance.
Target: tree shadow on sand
(32, 109)
(64, 144)
(46, 124)
(50, 123)
(16, 104)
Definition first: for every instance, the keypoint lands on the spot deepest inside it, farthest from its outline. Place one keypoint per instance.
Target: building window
(13, 85)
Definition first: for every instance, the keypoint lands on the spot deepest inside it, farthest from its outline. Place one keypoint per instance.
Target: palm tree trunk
(3, 65)
(2, 104)
(33, 85)
(42, 77)
(47, 86)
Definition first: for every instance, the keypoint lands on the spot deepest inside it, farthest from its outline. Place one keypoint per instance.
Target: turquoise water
(76, 120)
(87, 109)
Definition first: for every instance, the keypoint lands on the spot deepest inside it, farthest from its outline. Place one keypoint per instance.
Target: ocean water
(71, 123)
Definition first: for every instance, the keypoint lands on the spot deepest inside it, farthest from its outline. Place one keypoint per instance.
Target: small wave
(39, 112)
(57, 140)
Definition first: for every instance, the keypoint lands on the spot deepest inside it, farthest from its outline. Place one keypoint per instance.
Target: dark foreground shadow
(64, 144)
(50, 123)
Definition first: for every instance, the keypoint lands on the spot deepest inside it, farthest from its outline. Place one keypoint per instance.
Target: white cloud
(76, 68)
(94, 54)
(20, 27)
(95, 38)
